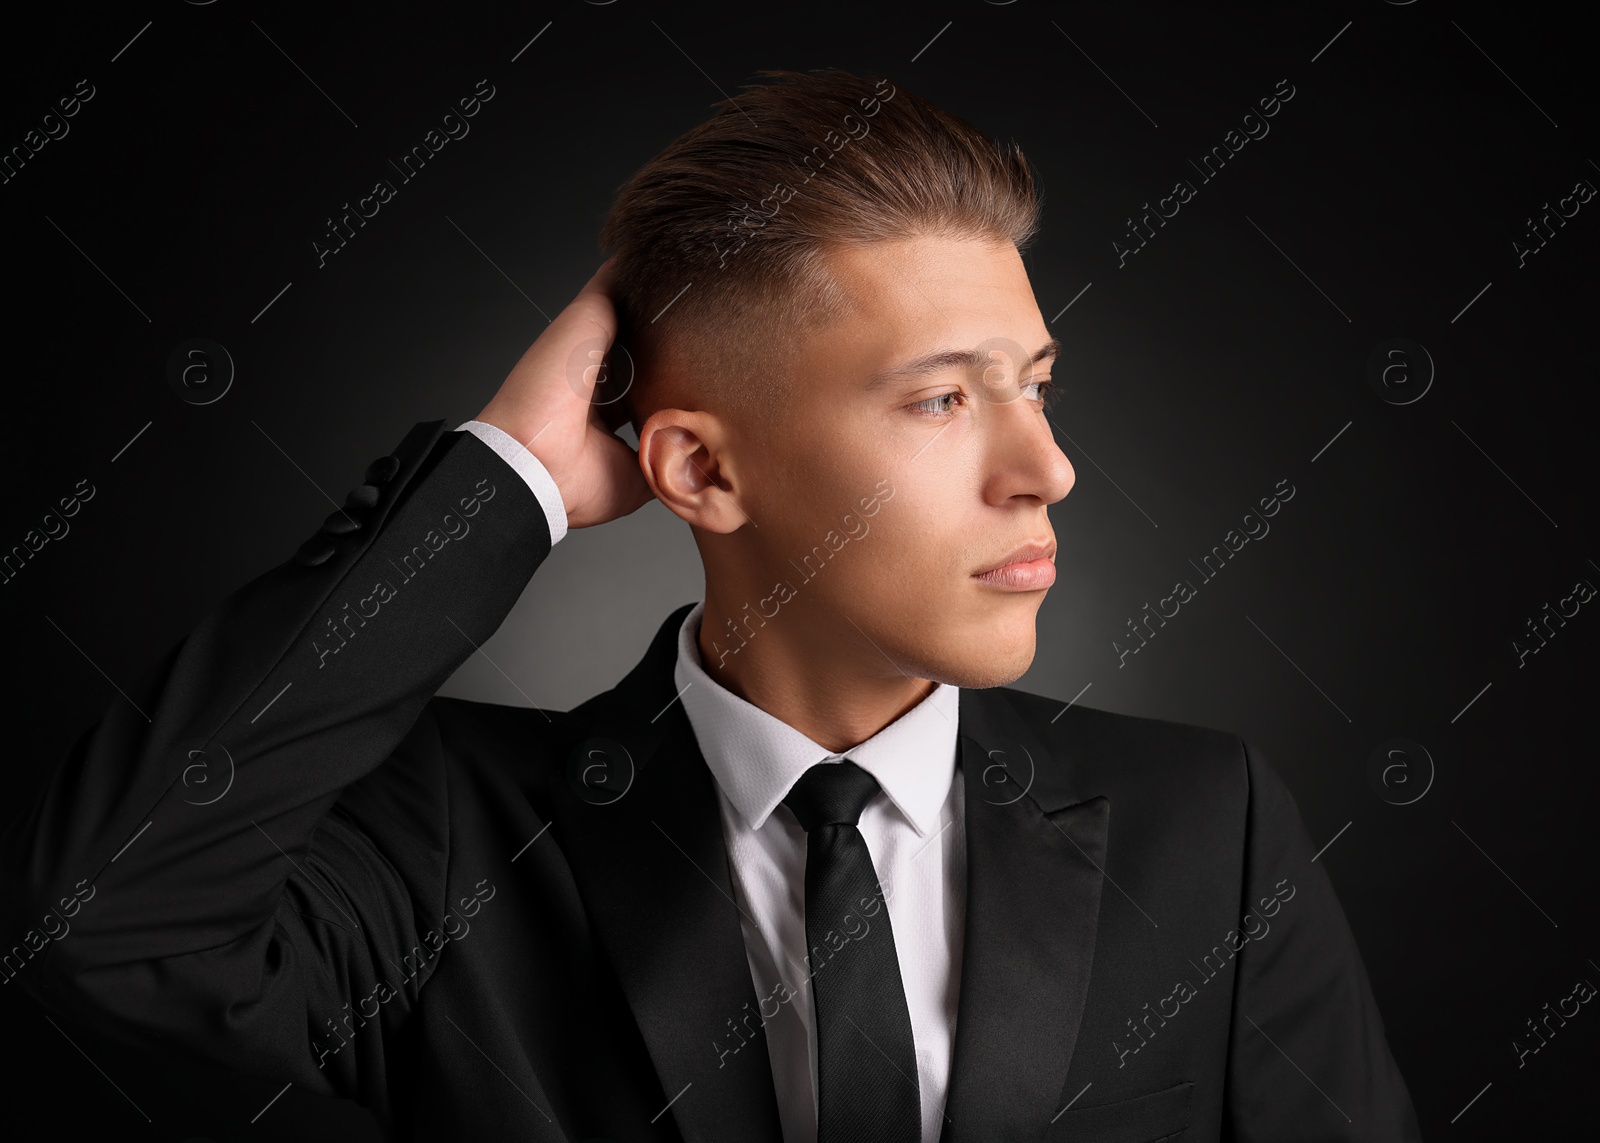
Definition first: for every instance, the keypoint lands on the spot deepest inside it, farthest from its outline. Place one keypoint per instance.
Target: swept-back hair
(722, 237)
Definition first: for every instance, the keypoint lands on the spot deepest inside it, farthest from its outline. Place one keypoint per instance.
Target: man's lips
(1029, 567)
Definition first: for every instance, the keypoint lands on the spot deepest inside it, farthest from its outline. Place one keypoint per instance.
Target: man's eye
(932, 407)
(935, 406)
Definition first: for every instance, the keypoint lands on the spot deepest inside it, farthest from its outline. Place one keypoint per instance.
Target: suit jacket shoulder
(1134, 757)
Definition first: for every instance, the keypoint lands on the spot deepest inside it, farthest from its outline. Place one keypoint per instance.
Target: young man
(812, 870)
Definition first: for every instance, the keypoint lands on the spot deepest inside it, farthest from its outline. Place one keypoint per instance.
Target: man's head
(778, 268)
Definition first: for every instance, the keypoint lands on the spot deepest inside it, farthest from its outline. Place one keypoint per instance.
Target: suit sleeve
(529, 467)
(1307, 1059)
(245, 852)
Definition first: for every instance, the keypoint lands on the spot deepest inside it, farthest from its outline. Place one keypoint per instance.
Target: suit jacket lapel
(1035, 855)
(639, 818)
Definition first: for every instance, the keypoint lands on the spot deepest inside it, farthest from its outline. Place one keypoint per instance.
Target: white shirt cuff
(529, 468)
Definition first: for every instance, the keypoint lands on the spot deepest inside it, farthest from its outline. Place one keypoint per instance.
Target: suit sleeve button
(339, 522)
(383, 470)
(317, 550)
(362, 496)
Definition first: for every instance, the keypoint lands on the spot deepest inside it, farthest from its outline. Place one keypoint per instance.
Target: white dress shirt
(914, 830)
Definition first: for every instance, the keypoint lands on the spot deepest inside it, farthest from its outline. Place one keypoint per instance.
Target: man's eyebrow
(946, 359)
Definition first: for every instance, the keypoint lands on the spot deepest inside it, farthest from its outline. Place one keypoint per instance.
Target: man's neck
(832, 695)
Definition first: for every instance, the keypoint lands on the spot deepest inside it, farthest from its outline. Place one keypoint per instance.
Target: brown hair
(722, 237)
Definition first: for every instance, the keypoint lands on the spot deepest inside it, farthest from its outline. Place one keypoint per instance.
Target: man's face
(878, 503)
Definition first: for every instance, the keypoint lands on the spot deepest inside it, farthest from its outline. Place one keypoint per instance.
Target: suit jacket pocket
(1156, 1115)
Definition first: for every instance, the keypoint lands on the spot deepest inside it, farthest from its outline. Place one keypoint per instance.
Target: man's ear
(683, 457)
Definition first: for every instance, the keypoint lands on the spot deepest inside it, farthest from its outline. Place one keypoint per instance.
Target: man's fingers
(604, 276)
(597, 290)
(586, 330)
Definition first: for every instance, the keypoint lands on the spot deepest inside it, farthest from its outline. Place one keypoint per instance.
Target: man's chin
(987, 662)
(993, 675)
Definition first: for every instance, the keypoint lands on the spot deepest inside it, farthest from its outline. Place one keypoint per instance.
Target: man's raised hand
(546, 403)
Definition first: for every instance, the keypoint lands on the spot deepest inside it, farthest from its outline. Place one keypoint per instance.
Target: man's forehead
(917, 305)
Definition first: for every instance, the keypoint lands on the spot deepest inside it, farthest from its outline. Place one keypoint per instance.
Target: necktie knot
(831, 793)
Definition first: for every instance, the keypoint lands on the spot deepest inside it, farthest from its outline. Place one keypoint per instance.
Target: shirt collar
(756, 757)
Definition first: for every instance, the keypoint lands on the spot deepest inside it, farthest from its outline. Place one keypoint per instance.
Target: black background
(1224, 356)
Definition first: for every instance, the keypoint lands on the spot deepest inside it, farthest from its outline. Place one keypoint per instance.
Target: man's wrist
(529, 467)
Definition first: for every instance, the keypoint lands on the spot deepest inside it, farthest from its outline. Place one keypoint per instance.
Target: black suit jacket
(488, 922)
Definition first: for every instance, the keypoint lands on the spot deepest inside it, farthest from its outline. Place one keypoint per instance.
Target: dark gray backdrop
(1438, 506)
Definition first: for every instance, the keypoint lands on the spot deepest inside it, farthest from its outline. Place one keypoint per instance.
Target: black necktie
(867, 1089)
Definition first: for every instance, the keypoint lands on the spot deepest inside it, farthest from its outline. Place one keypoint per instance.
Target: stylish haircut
(722, 238)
